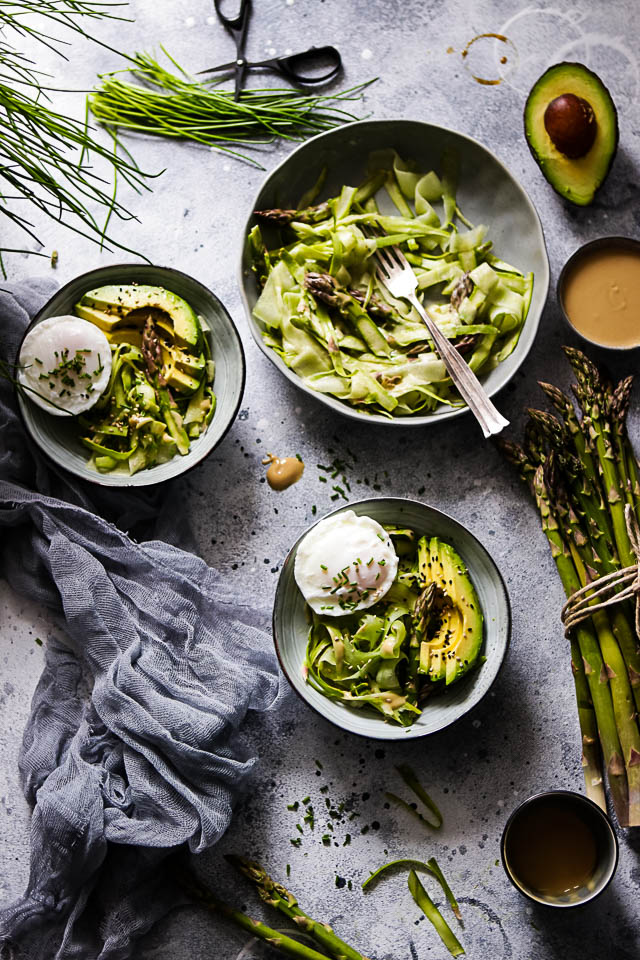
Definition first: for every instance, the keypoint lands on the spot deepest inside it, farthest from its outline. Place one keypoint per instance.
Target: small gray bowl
(593, 246)
(291, 626)
(606, 849)
(487, 193)
(58, 437)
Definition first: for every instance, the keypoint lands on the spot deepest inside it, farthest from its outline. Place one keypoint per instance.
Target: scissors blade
(223, 66)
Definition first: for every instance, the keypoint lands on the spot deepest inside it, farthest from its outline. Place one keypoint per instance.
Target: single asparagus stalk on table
(279, 941)
(276, 895)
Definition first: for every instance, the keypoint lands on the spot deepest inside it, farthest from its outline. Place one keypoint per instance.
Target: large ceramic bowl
(487, 193)
(57, 436)
(291, 626)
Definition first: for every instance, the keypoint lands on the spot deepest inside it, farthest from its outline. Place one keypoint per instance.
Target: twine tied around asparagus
(580, 605)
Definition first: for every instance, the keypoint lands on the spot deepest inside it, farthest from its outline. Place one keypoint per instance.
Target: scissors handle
(294, 67)
(236, 25)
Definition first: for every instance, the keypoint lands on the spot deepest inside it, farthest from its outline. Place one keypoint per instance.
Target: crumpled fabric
(132, 747)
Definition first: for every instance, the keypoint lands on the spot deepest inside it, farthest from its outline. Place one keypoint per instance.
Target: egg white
(41, 353)
(344, 564)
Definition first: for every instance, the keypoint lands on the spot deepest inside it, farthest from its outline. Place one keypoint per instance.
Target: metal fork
(395, 272)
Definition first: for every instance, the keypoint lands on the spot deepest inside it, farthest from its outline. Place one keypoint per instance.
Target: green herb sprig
(48, 160)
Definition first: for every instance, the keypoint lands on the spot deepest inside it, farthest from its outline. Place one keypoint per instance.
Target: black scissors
(291, 67)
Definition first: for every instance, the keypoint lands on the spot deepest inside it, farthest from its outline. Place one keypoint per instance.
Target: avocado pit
(571, 124)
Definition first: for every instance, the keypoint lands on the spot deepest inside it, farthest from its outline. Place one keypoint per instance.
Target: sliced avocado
(189, 363)
(457, 643)
(166, 328)
(435, 654)
(571, 126)
(180, 380)
(122, 300)
(105, 321)
(125, 335)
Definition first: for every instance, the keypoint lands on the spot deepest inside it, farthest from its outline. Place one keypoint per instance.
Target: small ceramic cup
(602, 244)
(590, 817)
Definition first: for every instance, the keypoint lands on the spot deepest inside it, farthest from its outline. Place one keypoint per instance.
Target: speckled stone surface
(524, 737)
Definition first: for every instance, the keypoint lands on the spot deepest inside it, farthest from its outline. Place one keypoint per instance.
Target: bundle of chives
(46, 158)
(175, 105)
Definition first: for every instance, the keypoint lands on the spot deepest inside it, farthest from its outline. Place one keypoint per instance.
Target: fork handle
(470, 388)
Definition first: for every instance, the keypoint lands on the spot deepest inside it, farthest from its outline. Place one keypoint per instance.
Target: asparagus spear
(592, 400)
(286, 945)
(621, 693)
(281, 218)
(607, 559)
(584, 476)
(591, 753)
(603, 559)
(326, 289)
(276, 895)
(594, 668)
(618, 409)
(580, 440)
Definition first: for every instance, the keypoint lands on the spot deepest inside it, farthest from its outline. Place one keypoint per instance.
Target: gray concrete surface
(524, 737)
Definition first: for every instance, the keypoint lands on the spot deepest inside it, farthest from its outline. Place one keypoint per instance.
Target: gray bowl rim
(343, 408)
(456, 524)
(599, 243)
(192, 466)
(590, 805)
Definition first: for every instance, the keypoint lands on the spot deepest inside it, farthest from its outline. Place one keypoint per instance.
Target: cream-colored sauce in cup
(601, 296)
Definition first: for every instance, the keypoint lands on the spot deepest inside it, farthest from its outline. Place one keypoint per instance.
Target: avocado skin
(121, 300)
(576, 180)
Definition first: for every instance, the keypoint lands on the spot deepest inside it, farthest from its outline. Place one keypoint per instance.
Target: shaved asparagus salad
(423, 635)
(325, 313)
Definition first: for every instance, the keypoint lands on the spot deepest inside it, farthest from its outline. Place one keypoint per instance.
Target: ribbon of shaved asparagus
(421, 896)
(411, 780)
(432, 914)
(324, 312)
(431, 867)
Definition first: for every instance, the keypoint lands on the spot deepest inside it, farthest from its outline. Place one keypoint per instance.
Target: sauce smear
(602, 296)
(283, 471)
(551, 847)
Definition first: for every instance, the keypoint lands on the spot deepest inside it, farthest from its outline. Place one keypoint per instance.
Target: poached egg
(345, 563)
(66, 360)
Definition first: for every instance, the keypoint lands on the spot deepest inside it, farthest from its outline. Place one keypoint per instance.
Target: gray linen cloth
(131, 748)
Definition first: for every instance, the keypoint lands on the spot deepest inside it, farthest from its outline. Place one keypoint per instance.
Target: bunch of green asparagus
(583, 474)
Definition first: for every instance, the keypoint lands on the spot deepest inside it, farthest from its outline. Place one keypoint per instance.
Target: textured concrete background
(524, 737)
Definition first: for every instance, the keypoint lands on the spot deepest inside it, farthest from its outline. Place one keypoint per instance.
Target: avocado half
(572, 103)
